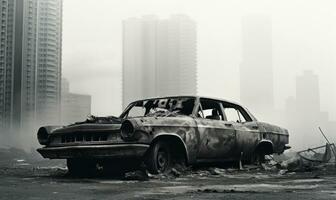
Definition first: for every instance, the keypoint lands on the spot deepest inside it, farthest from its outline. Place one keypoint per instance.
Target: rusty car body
(163, 131)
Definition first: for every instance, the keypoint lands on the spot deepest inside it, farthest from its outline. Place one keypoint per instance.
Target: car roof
(189, 96)
(198, 97)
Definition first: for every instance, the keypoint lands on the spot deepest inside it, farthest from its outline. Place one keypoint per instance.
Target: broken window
(137, 111)
(161, 107)
(235, 113)
(232, 115)
(210, 109)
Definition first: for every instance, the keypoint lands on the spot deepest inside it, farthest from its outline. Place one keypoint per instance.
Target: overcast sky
(304, 37)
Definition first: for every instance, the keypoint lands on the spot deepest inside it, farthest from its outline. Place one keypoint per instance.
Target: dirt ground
(21, 179)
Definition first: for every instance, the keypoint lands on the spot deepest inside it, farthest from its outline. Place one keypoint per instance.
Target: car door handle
(228, 125)
(255, 127)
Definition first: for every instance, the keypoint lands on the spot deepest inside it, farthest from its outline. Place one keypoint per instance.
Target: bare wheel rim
(162, 159)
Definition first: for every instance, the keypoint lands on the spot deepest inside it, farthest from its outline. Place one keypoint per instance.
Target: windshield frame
(131, 105)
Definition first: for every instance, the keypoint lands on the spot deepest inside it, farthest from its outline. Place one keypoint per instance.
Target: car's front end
(89, 140)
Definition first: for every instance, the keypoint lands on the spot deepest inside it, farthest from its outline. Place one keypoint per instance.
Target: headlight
(127, 129)
(43, 136)
(44, 132)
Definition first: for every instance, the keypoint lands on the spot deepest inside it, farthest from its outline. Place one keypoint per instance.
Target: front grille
(84, 138)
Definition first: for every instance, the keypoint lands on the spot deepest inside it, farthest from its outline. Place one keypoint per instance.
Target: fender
(176, 136)
(265, 142)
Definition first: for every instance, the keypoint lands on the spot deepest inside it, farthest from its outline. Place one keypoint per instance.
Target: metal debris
(139, 175)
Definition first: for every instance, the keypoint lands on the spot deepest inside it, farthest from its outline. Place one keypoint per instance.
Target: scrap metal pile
(316, 158)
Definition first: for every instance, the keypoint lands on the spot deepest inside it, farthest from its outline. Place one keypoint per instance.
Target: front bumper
(95, 151)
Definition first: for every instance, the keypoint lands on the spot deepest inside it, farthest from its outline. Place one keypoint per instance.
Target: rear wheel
(258, 158)
(158, 159)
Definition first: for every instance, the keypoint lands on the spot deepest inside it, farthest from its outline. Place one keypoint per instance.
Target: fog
(303, 38)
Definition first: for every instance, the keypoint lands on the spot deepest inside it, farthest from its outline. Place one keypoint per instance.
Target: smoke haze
(303, 38)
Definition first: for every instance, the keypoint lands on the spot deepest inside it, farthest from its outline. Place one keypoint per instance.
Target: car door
(217, 136)
(247, 130)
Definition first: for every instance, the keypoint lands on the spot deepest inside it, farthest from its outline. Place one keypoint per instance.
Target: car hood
(92, 128)
(92, 125)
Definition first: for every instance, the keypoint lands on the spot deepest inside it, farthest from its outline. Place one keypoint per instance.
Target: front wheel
(158, 159)
(81, 167)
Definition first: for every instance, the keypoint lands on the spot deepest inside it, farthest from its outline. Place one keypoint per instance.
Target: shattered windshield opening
(162, 107)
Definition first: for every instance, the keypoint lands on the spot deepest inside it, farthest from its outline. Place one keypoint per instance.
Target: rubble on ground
(317, 159)
(140, 175)
(312, 159)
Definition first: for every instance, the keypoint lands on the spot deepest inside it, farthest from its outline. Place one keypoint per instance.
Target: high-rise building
(303, 113)
(75, 107)
(30, 64)
(308, 100)
(256, 70)
(159, 57)
(49, 59)
(308, 93)
(6, 61)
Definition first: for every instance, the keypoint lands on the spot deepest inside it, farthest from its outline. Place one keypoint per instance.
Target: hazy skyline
(30, 62)
(159, 57)
(304, 37)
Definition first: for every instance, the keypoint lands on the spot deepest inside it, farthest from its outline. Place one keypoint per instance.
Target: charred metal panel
(247, 137)
(277, 135)
(217, 139)
(183, 126)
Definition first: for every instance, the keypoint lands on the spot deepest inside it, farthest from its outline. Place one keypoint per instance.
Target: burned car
(159, 132)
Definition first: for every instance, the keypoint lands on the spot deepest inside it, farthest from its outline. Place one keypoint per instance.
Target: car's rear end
(279, 137)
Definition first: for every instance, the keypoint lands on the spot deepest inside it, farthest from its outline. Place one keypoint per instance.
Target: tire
(158, 159)
(81, 168)
(257, 158)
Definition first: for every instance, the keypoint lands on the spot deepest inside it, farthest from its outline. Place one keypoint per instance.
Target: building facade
(304, 115)
(159, 57)
(30, 66)
(6, 61)
(49, 60)
(74, 107)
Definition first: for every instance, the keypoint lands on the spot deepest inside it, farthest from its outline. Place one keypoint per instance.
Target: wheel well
(265, 147)
(179, 151)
